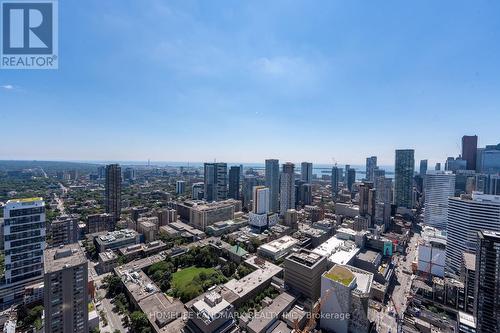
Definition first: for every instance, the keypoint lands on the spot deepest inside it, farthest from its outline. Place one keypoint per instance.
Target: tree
(189, 292)
(122, 260)
(228, 269)
(121, 304)
(90, 249)
(113, 285)
(243, 271)
(138, 321)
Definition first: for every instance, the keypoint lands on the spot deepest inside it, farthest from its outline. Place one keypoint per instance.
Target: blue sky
(242, 81)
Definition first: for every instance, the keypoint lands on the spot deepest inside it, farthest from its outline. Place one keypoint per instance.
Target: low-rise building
(180, 229)
(338, 251)
(135, 251)
(265, 318)
(116, 239)
(210, 314)
(108, 260)
(164, 313)
(277, 248)
(240, 291)
(224, 227)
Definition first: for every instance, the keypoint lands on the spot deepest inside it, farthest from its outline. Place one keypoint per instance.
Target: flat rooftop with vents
(63, 256)
(338, 251)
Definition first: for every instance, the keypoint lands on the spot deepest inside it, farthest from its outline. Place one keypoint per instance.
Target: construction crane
(315, 311)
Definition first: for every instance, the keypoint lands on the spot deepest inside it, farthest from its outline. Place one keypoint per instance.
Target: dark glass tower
(351, 178)
(234, 182)
(487, 289)
(403, 182)
(273, 183)
(113, 192)
(335, 181)
(469, 150)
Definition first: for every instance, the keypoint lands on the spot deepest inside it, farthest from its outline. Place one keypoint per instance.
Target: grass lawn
(185, 276)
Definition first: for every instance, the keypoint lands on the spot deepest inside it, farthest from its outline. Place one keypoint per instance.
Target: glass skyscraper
(403, 181)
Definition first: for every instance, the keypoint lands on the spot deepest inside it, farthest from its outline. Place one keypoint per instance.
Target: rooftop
(282, 327)
(164, 313)
(337, 251)
(271, 313)
(310, 230)
(22, 203)
(210, 306)
(238, 250)
(138, 284)
(348, 231)
(263, 273)
(368, 256)
(306, 258)
(491, 234)
(351, 276)
(107, 256)
(340, 274)
(214, 205)
(25, 200)
(113, 236)
(279, 244)
(479, 198)
(62, 257)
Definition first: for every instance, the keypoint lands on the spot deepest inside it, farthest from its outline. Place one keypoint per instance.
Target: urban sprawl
(277, 248)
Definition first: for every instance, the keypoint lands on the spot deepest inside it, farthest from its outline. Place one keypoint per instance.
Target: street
(114, 319)
(386, 319)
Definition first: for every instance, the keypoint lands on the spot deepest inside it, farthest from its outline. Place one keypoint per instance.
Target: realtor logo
(29, 34)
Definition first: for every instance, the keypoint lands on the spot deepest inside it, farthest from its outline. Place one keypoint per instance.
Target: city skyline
(199, 166)
(338, 80)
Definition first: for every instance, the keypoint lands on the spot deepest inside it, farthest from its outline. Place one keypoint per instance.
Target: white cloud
(279, 66)
(7, 87)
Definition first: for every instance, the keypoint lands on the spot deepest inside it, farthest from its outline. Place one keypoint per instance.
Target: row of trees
(137, 321)
(255, 303)
(250, 247)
